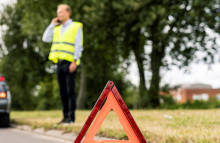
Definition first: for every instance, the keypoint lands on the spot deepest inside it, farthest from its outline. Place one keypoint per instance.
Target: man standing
(67, 45)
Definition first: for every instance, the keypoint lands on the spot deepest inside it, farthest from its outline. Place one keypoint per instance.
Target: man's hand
(72, 66)
(55, 21)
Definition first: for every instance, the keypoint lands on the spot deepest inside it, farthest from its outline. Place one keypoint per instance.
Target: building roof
(196, 86)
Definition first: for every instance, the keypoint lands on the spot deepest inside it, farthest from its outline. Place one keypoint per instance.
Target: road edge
(53, 133)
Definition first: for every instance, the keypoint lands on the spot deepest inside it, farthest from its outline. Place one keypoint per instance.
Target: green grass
(157, 126)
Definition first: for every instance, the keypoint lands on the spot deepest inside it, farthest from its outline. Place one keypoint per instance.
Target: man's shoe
(68, 123)
(65, 120)
(71, 122)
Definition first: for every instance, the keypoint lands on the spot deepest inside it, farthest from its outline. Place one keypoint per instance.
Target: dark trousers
(66, 82)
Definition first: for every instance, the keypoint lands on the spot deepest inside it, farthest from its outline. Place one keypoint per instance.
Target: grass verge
(157, 126)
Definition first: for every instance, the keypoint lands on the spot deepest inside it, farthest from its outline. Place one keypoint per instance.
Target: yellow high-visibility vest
(63, 46)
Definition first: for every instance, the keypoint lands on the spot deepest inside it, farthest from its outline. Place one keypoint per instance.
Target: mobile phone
(59, 21)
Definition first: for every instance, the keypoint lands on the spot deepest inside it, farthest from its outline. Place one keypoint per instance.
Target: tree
(100, 48)
(22, 66)
(113, 31)
(176, 28)
(187, 22)
(100, 60)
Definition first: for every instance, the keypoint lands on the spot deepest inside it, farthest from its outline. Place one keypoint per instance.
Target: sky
(2, 2)
(197, 73)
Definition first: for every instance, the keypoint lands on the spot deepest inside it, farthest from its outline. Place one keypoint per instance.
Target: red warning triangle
(114, 101)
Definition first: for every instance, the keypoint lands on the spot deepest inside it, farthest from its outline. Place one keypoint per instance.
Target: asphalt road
(11, 135)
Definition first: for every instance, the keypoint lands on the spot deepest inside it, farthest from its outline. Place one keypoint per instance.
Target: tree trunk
(142, 82)
(82, 90)
(157, 55)
(137, 47)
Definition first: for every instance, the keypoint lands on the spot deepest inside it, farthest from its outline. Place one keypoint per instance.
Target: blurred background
(159, 53)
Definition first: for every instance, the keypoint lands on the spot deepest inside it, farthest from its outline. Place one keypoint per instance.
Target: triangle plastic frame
(111, 91)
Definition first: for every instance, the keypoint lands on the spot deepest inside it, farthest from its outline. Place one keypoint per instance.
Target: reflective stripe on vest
(62, 51)
(63, 43)
(63, 46)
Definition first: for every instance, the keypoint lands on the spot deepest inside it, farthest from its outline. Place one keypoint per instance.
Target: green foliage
(113, 31)
(101, 58)
(48, 94)
(169, 103)
(178, 28)
(22, 66)
(131, 97)
(25, 61)
(211, 104)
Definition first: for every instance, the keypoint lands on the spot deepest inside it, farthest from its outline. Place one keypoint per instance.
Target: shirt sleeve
(78, 44)
(48, 34)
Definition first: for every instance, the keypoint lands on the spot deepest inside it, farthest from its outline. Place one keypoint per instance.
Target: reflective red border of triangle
(110, 87)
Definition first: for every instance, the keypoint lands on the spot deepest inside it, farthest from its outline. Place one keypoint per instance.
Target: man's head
(63, 12)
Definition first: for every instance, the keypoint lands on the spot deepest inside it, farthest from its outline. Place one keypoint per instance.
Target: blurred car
(5, 103)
